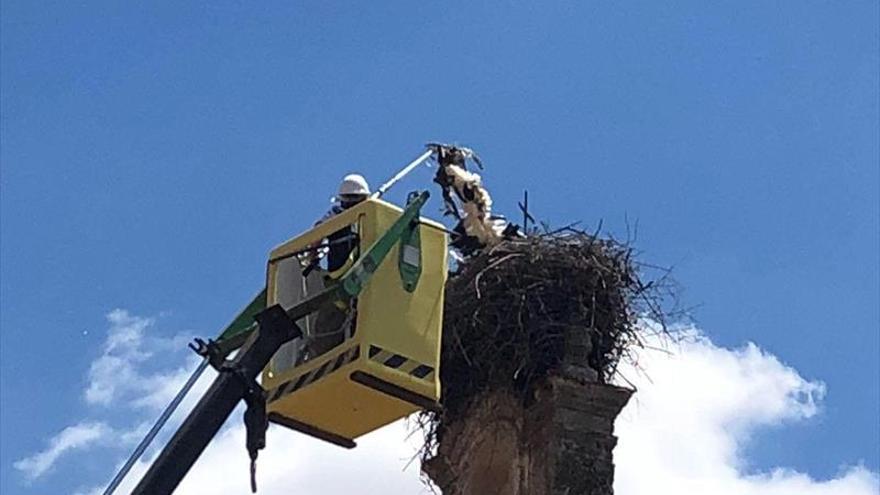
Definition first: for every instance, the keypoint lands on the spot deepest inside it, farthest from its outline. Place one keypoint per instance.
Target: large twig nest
(530, 307)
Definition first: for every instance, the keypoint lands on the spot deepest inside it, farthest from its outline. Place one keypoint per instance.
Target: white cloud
(115, 372)
(696, 409)
(119, 380)
(685, 431)
(157, 389)
(120, 375)
(79, 436)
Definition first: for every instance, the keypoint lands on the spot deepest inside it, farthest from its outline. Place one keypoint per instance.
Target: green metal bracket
(244, 323)
(355, 279)
(410, 258)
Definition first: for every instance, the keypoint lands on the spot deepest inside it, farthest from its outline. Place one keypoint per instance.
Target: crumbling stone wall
(580, 447)
(561, 444)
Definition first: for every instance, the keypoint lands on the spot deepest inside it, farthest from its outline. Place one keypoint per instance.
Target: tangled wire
(526, 308)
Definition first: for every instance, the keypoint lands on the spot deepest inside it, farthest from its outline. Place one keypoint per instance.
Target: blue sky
(153, 153)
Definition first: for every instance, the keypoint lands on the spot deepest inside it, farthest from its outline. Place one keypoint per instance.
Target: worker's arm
(313, 251)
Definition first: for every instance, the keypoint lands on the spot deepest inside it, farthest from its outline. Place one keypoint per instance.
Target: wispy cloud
(79, 436)
(115, 372)
(122, 378)
(121, 373)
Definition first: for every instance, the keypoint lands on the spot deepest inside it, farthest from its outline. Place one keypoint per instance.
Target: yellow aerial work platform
(382, 361)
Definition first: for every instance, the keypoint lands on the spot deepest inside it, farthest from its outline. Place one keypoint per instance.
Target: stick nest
(530, 307)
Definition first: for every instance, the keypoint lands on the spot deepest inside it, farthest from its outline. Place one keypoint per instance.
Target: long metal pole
(405, 170)
(169, 410)
(208, 416)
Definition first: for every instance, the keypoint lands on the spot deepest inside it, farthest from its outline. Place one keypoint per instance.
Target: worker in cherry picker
(353, 190)
(333, 321)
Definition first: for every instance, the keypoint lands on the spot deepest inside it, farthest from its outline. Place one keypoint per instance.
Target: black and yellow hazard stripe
(329, 366)
(401, 363)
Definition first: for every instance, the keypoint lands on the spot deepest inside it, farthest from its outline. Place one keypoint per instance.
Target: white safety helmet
(353, 185)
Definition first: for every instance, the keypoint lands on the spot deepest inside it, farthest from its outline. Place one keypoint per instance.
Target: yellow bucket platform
(387, 364)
